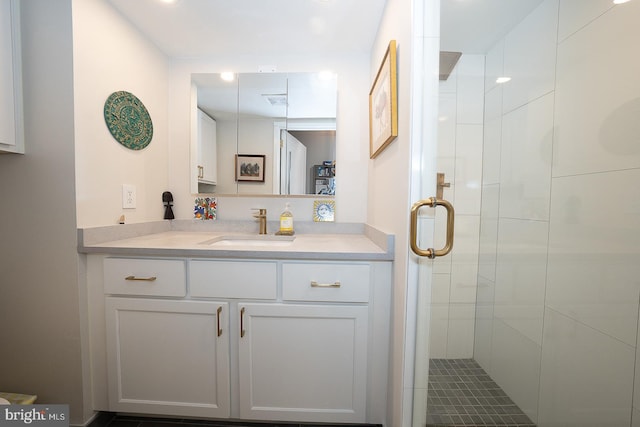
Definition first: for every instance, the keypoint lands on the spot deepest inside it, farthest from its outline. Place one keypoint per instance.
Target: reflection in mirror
(290, 118)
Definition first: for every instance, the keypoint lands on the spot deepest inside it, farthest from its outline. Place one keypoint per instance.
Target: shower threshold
(461, 393)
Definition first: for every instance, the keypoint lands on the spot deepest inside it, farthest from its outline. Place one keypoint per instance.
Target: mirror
(264, 133)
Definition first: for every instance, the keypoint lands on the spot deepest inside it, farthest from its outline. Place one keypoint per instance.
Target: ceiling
(197, 28)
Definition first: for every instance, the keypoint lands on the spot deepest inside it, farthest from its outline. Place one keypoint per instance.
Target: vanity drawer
(153, 277)
(233, 279)
(333, 282)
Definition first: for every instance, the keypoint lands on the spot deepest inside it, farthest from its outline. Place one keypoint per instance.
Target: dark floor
(108, 419)
(462, 394)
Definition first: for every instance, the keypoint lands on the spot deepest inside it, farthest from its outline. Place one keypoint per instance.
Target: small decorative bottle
(286, 222)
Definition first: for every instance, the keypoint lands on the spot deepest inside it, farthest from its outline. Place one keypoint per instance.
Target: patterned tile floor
(462, 394)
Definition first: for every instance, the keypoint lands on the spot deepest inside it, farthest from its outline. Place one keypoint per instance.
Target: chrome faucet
(262, 217)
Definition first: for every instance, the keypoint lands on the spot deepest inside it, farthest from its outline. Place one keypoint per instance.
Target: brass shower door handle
(431, 253)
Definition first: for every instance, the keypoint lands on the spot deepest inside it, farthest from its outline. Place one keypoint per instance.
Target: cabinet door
(207, 154)
(11, 137)
(303, 362)
(168, 357)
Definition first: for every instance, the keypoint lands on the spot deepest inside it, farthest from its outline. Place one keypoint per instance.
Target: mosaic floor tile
(461, 394)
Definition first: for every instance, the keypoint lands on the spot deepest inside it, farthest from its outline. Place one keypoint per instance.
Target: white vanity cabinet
(207, 149)
(164, 356)
(168, 357)
(252, 339)
(303, 362)
(11, 132)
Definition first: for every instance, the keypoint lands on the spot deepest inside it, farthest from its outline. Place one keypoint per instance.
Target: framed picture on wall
(250, 167)
(383, 104)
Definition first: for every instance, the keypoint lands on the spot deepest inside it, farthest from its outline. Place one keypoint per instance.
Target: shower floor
(461, 393)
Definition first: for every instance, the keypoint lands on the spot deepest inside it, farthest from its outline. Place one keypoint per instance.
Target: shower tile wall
(559, 264)
(460, 135)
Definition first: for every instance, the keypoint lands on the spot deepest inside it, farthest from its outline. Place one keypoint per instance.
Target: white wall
(391, 172)
(352, 135)
(109, 56)
(253, 136)
(558, 296)
(40, 334)
(460, 129)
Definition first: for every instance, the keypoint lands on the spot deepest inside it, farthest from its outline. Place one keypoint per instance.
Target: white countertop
(160, 240)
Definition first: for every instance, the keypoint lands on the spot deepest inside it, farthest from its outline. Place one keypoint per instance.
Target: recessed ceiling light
(620, 1)
(227, 76)
(503, 79)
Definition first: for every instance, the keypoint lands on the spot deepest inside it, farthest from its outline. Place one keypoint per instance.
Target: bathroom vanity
(213, 324)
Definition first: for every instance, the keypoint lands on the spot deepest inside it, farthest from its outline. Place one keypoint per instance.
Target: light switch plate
(128, 196)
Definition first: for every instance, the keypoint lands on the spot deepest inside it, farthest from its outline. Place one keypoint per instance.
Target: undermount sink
(260, 240)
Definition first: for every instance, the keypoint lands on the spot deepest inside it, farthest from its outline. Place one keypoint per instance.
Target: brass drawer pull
(242, 331)
(141, 279)
(315, 284)
(218, 313)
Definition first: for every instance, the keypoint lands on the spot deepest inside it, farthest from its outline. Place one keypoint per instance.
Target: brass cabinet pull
(218, 313)
(315, 284)
(141, 279)
(431, 253)
(242, 331)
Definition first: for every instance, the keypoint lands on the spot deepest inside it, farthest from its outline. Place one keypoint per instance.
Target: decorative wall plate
(128, 120)
(324, 210)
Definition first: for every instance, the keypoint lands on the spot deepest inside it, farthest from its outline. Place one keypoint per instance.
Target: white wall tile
(440, 288)
(483, 333)
(530, 56)
(439, 331)
(464, 259)
(520, 275)
(598, 96)
(447, 126)
(575, 14)
(461, 329)
(493, 103)
(488, 231)
(468, 169)
(451, 84)
(482, 348)
(492, 137)
(586, 376)
(470, 89)
(525, 161)
(494, 65)
(464, 279)
(593, 273)
(486, 292)
(515, 366)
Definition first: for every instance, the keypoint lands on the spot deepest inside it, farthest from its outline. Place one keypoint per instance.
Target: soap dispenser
(286, 222)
